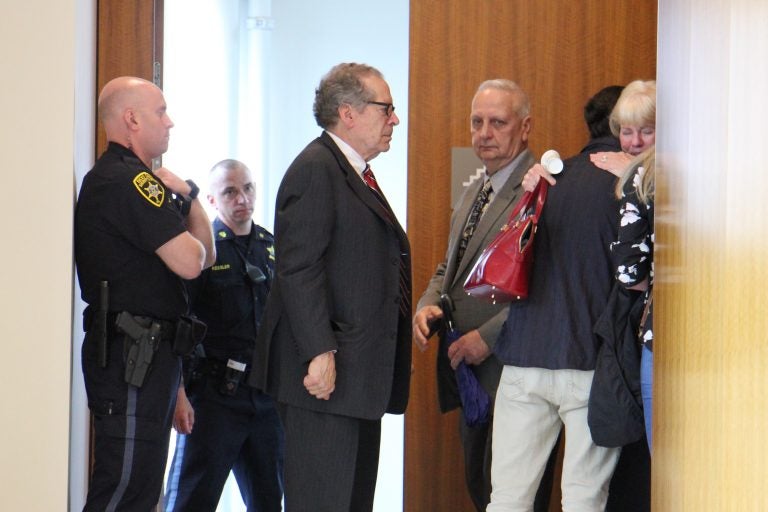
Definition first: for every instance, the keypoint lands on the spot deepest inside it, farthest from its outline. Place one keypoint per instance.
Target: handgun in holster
(140, 346)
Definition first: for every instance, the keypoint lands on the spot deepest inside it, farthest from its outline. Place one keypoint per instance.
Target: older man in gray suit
(500, 123)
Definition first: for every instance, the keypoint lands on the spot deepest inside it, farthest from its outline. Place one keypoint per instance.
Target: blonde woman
(633, 121)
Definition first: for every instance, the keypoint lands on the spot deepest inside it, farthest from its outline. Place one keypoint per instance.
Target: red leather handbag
(502, 271)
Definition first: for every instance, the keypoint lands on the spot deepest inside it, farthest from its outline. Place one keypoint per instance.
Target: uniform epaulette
(263, 234)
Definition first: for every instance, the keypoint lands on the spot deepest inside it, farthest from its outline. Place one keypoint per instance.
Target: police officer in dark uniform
(137, 234)
(228, 425)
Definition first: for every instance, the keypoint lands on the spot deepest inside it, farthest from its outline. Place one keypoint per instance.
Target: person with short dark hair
(334, 348)
(597, 111)
(223, 423)
(548, 346)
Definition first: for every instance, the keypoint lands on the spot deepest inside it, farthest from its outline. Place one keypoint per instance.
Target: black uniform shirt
(227, 299)
(123, 215)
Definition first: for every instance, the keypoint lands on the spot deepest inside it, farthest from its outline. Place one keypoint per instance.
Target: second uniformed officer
(228, 425)
(134, 242)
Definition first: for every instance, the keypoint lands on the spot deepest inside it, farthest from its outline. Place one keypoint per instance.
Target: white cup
(550, 160)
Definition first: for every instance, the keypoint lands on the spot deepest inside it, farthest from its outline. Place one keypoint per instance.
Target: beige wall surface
(36, 136)
(710, 322)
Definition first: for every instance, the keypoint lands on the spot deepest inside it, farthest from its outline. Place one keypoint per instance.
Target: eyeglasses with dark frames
(389, 108)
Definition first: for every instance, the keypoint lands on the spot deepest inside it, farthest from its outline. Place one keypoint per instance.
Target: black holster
(141, 343)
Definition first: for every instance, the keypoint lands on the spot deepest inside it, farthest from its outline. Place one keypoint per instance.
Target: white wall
(37, 104)
(200, 82)
(84, 148)
(310, 37)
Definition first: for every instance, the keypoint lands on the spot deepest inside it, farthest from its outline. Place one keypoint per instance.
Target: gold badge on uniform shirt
(149, 188)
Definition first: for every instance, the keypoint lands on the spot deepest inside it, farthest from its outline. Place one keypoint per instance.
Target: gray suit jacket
(471, 313)
(338, 254)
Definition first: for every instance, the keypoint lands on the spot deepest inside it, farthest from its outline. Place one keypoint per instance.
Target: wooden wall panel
(130, 40)
(560, 53)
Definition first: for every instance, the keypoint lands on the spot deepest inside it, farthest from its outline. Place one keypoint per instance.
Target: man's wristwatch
(194, 190)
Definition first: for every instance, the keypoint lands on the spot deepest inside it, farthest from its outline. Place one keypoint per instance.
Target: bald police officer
(138, 233)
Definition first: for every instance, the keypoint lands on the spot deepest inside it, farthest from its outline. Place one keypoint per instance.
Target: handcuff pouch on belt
(189, 333)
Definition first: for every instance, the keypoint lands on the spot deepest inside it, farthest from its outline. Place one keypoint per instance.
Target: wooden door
(560, 53)
(129, 42)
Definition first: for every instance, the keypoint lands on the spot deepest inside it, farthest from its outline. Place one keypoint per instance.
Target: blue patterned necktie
(475, 214)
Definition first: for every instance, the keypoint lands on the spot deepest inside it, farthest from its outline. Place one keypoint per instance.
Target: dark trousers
(331, 461)
(131, 425)
(630, 489)
(476, 442)
(241, 433)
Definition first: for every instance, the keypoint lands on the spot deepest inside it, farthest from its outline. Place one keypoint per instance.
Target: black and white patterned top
(633, 251)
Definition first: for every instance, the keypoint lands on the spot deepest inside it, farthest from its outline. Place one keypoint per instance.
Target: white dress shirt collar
(354, 159)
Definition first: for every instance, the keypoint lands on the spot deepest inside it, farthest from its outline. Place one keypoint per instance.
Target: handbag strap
(537, 195)
(646, 309)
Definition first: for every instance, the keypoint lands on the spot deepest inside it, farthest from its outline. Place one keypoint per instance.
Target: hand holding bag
(502, 271)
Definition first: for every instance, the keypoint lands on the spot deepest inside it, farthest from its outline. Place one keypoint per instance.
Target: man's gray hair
(502, 84)
(342, 85)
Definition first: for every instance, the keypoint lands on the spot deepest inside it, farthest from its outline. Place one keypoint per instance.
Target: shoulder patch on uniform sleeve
(149, 188)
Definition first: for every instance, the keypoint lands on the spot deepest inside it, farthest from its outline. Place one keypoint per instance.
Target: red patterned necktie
(370, 180)
(405, 293)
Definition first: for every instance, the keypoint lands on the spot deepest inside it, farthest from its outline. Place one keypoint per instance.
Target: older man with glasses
(335, 349)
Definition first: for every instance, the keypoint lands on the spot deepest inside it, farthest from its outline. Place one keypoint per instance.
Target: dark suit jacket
(572, 271)
(336, 287)
(473, 313)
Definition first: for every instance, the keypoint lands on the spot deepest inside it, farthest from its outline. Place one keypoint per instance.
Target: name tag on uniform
(236, 365)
